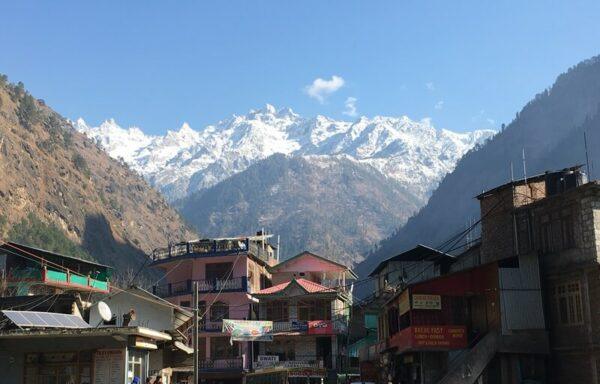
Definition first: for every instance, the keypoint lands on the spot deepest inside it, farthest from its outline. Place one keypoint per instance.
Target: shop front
(91, 356)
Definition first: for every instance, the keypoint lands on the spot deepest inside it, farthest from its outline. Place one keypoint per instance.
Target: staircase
(468, 366)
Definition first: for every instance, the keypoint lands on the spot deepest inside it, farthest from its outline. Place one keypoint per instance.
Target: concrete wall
(148, 314)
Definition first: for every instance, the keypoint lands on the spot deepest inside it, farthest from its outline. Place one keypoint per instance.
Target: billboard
(248, 330)
(320, 327)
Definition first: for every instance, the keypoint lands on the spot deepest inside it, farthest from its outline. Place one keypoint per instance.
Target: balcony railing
(308, 361)
(211, 326)
(210, 247)
(232, 364)
(236, 284)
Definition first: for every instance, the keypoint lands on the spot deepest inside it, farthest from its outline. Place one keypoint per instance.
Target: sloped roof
(307, 285)
(418, 253)
(310, 254)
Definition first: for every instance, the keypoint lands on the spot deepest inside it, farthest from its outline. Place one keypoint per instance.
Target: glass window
(568, 302)
(219, 311)
(135, 365)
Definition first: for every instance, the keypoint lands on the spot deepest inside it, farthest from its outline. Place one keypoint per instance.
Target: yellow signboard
(403, 303)
(426, 301)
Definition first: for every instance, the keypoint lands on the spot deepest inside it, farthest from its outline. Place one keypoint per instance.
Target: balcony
(211, 326)
(59, 279)
(236, 284)
(232, 364)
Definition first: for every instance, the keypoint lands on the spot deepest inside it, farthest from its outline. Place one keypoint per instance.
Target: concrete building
(557, 217)
(309, 305)
(227, 272)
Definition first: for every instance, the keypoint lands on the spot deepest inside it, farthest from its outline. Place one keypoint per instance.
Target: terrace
(255, 245)
(28, 268)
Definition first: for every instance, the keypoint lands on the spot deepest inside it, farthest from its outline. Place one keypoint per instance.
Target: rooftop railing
(211, 247)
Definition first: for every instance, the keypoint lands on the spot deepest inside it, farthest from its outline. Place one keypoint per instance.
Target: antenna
(524, 166)
(512, 172)
(278, 245)
(587, 159)
(104, 312)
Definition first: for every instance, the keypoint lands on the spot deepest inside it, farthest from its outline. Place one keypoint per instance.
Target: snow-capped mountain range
(181, 162)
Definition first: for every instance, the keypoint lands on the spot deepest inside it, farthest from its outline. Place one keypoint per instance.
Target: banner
(426, 301)
(248, 330)
(320, 327)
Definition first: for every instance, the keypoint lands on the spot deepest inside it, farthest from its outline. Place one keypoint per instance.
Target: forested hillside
(549, 129)
(60, 191)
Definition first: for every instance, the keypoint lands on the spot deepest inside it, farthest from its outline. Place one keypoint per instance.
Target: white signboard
(427, 301)
(109, 366)
(265, 361)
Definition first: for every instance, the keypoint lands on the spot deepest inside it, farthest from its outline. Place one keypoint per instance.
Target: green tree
(27, 112)
(81, 163)
(33, 232)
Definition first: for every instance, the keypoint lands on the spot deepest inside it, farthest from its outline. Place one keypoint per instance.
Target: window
(523, 232)
(135, 365)
(314, 310)
(220, 348)
(546, 234)
(218, 271)
(219, 311)
(277, 311)
(568, 303)
(393, 320)
(568, 235)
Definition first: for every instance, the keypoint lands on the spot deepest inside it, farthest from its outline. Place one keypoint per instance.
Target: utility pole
(195, 332)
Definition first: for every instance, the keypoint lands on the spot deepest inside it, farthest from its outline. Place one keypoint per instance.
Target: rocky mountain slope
(54, 174)
(330, 186)
(549, 128)
(335, 206)
(185, 161)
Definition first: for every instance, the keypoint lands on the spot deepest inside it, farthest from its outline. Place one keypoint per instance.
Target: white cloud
(430, 86)
(350, 105)
(439, 105)
(321, 88)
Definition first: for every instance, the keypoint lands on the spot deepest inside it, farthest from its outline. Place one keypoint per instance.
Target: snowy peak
(186, 160)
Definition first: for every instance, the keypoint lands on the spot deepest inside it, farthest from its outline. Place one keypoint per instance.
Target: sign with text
(248, 330)
(320, 327)
(265, 361)
(426, 301)
(430, 337)
(109, 366)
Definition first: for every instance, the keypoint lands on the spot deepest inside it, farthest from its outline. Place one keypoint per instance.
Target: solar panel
(32, 319)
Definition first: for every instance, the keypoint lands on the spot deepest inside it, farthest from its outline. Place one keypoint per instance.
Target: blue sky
(156, 64)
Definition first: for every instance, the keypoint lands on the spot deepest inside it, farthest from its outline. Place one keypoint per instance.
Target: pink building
(228, 271)
(309, 305)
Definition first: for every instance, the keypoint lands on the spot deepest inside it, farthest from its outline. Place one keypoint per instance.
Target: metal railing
(301, 361)
(209, 246)
(212, 285)
(235, 363)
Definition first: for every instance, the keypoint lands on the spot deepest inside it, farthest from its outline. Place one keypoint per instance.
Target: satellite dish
(104, 310)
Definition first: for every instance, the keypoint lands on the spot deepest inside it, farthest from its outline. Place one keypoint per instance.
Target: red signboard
(320, 327)
(431, 337)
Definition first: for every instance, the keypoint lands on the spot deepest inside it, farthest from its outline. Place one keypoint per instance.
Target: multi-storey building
(309, 304)
(227, 272)
(516, 307)
(556, 217)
